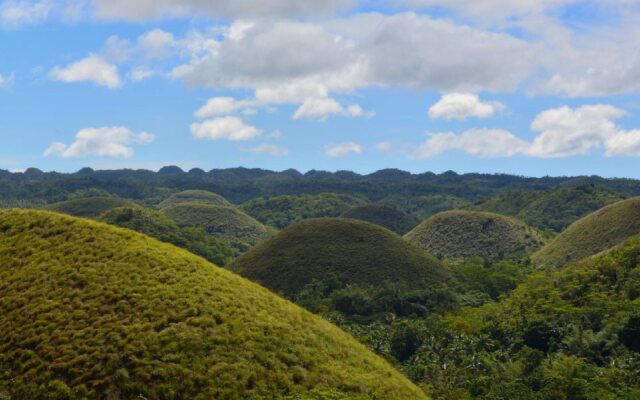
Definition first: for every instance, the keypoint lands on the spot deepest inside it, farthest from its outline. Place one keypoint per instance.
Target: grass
(89, 207)
(592, 234)
(466, 234)
(384, 215)
(194, 196)
(94, 311)
(354, 252)
(224, 221)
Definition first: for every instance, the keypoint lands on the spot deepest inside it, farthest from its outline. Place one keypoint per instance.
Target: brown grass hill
(92, 311)
(90, 207)
(467, 234)
(354, 252)
(223, 221)
(194, 196)
(384, 215)
(601, 230)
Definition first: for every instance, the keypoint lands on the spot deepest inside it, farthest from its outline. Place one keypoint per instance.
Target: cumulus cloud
(270, 149)
(224, 128)
(321, 108)
(222, 105)
(113, 141)
(146, 9)
(461, 106)
(14, 13)
(484, 143)
(342, 149)
(90, 69)
(156, 43)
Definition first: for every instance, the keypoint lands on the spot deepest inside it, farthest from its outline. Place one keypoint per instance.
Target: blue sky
(534, 87)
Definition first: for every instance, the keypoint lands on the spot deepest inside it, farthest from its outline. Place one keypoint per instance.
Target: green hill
(466, 234)
(596, 232)
(384, 215)
(94, 311)
(354, 252)
(89, 207)
(282, 211)
(159, 226)
(224, 221)
(555, 209)
(194, 196)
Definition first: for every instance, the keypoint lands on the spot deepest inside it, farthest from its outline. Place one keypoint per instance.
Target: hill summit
(466, 234)
(352, 251)
(94, 311)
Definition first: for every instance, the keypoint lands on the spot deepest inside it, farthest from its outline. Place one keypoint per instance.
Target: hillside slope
(89, 207)
(194, 196)
(354, 252)
(384, 215)
(592, 234)
(223, 221)
(93, 311)
(465, 234)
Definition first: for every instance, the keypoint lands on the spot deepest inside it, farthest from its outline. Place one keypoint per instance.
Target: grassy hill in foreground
(194, 196)
(354, 252)
(94, 311)
(592, 234)
(90, 207)
(466, 234)
(384, 215)
(223, 221)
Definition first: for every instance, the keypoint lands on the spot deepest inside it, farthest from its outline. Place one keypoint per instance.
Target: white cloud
(147, 9)
(225, 128)
(342, 149)
(141, 73)
(484, 143)
(270, 149)
(567, 132)
(461, 106)
(90, 69)
(384, 147)
(6, 81)
(321, 108)
(113, 141)
(15, 13)
(156, 43)
(222, 105)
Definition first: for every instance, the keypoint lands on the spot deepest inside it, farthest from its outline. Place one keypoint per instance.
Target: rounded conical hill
(592, 234)
(90, 207)
(223, 221)
(94, 311)
(354, 252)
(384, 215)
(195, 196)
(466, 234)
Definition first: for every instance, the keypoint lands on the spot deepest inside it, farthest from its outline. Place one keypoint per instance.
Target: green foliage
(282, 211)
(555, 209)
(384, 215)
(157, 225)
(89, 207)
(594, 233)
(222, 221)
(354, 252)
(194, 196)
(94, 311)
(466, 234)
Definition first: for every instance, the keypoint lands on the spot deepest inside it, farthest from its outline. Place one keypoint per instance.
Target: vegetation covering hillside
(466, 234)
(555, 209)
(157, 225)
(89, 207)
(350, 251)
(223, 221)
(194, 196)
(596, 232)
(94, 311)
(384, 215)
(282, 211)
